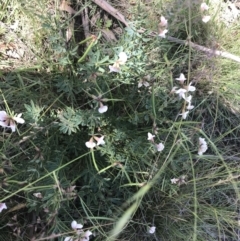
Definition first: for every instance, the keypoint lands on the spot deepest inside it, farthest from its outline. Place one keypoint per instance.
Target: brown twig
(85, 22)
(111, 10)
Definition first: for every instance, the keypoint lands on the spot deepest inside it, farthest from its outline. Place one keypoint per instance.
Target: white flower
(202, 146)
(152, 229)
(188, 99)
(68, 239)
(181, 93)
(189, 106)
(37, 195)
(99, 140)
(181, 78)
(76, 225)
(143, 82)
(205, 19)
(8, 121)
(173, 90)
(190, 87)
(204, 7)
(174, 180)
(114, 68)
(90, 144)
(163, 22)
(122, 58)
(102, 108)
(159, 147)
(184, 114)
(150, 137)
(162, 33)
(85, 236)
(2, 206)
(121, 61)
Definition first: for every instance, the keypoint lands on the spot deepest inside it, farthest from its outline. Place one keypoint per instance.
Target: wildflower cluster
(91, 144)
(102, 108)
(82, 236)
(121, 61)
(183, 94)
(162, 27)
(159, 147)
(203, 8)
(10, 121)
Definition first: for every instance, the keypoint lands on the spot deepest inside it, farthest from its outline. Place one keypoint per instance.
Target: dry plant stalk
(116, 14)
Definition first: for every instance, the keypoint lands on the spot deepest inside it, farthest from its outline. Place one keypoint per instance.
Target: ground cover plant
(115, 132)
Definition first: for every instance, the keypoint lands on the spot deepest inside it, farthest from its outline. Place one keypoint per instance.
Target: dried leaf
(69, 32)
(65, 7)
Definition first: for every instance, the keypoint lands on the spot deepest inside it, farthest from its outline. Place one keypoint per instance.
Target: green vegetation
(121, 188)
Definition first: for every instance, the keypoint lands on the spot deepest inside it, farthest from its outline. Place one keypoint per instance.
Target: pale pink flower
(162, 33)
(184, 114)
(181, 78)
(205, 19)
(68, 239)
(114, 68)
(189, 106)
(143, 82)
(163, 22)
(202, 146)
(152, 229)
(181, 93)
(9, 121)
(102, 108)
(99, 140)
(122, 58)
(190, 87)
(76, 225)
(121, 61)
(188, 99)
(174, 180)
(90, 144)
(38, 195)
(173, 90)
(2, 206)
(159, 147)
(150, 137)
(85, 236)
(204, 7)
